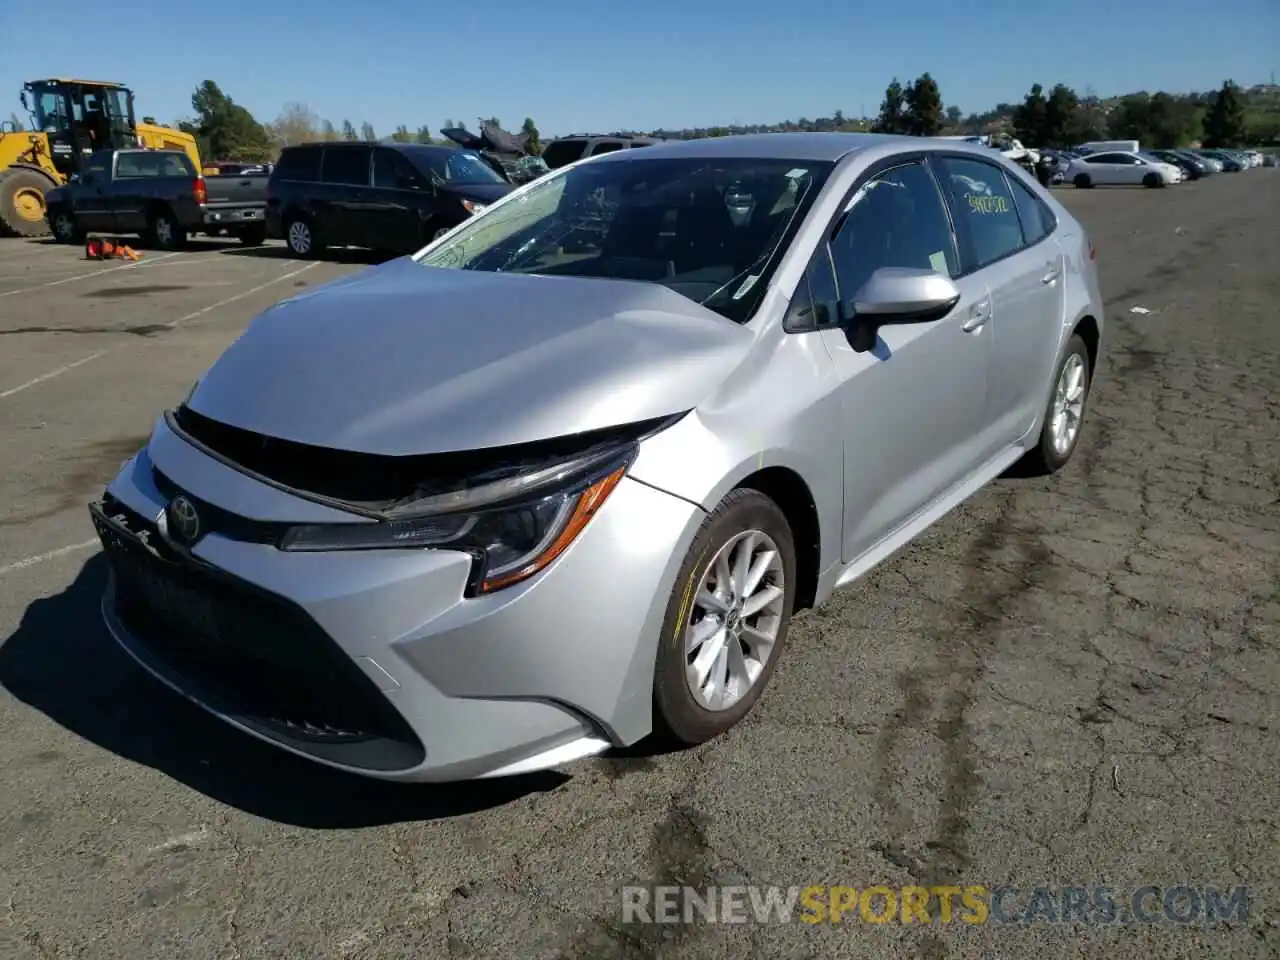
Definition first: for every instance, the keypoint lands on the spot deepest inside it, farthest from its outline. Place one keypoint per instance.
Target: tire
(300, 238)
(1047, 457)
(65, 228)
(254, 236)
(1152, 181)
(164, 232)
(1082, 181)
(22, 206)
(679, 715)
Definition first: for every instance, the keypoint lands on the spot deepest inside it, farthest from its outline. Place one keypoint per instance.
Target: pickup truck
(158, 196)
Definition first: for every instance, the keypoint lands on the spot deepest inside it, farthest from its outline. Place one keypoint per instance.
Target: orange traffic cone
(100, 248)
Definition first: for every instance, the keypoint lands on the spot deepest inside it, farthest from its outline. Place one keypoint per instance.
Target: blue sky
(577, 65)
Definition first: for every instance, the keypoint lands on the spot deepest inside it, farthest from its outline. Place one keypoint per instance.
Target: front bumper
(373, 661)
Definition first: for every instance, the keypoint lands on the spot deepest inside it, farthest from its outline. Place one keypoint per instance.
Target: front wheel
(727, 619)
(65, 228)
(1082, 181)
(1064, 415)
(1152, 180)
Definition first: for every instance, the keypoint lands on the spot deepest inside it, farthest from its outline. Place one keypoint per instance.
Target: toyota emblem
(184, 522)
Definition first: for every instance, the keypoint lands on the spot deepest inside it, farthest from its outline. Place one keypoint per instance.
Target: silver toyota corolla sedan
(562, 479)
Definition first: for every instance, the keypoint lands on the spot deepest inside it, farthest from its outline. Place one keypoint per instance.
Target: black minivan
(390, 197)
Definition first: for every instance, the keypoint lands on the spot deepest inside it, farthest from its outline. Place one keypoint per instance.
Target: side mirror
(898, 295)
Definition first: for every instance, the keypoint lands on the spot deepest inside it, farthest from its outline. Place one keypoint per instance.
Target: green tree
(1061, 117)
(424, 135)
(954, 115)
(924, 107)
(449, 125)
(1030, 118)
(366, 132)
(402, 135)
(349, 131)
(1224, 123)
(151, 120)
(892, 118)
(1131, 119)
(532, 138)
(224, 129)
(328, 131)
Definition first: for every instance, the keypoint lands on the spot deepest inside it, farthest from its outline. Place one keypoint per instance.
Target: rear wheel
(300, 238)
(1064, 414)
(22, 204)
(727, 619)
(165, 232)
(1082, 181)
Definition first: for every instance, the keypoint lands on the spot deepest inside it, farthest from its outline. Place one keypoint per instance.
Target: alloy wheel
(299, 237)
(737, 613)
(1068, 405)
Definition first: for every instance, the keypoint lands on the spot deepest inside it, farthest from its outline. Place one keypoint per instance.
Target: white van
(1109, 146)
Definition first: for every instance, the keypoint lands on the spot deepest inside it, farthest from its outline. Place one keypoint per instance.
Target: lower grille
(247, 653)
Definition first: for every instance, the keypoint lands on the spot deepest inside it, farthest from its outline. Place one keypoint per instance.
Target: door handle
(979, 314)
(1051, 276)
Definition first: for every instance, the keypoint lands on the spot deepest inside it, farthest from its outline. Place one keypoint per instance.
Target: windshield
(447, 165)
(49, 108)
(710, 230)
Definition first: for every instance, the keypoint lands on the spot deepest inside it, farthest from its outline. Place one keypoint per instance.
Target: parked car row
(1124, 163)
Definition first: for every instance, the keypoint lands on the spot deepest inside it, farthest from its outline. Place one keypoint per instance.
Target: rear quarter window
(301, 163)
(563, 152)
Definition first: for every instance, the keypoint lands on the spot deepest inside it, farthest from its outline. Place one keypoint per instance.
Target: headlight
(512, 527)
(472, 207)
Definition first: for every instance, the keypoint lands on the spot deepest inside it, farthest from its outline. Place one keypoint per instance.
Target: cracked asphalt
(1071, 681)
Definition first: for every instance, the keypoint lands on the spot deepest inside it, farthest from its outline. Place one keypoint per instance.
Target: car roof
(812, 147)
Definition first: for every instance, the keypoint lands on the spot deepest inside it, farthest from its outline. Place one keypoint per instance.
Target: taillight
(200, 191)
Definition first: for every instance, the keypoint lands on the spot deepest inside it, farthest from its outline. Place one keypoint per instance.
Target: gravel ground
(1066, 682)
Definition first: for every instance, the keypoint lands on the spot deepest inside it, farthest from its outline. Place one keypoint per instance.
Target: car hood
(405, 359)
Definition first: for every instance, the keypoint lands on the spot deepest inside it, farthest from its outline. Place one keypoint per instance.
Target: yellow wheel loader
(70, 120)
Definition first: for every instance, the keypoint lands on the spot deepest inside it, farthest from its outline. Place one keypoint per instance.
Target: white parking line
(86, 276)
(172, 324)
(51, 374)
(42, 557)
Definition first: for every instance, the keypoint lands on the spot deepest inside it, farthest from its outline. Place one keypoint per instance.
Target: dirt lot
(1066, 682)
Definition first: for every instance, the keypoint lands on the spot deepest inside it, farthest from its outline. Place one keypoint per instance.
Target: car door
(398, 194)
(1102, 169)
(91, 197)
(344, 212)
(1004, 240)
(127, 197)
(912, 408)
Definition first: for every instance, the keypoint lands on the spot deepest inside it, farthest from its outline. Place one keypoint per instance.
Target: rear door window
(607, 146)
(300, 163)
(563, 152)
(348, 166)
(983, 209)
